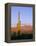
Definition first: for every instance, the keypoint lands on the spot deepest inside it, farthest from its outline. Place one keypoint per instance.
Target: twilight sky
(25, 15)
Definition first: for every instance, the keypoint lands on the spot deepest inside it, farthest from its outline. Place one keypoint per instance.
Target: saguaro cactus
(19, 22)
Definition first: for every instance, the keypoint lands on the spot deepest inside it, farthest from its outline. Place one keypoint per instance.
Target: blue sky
(25, 15)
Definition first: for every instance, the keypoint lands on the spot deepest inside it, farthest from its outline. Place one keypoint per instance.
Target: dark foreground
(23, 36)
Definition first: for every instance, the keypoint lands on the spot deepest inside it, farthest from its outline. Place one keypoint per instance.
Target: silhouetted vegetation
(22, 36)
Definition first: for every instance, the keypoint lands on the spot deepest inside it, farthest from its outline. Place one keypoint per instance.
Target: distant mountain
(25, 29)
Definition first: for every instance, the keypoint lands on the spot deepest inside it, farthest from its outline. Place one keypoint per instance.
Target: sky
(25, 15)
